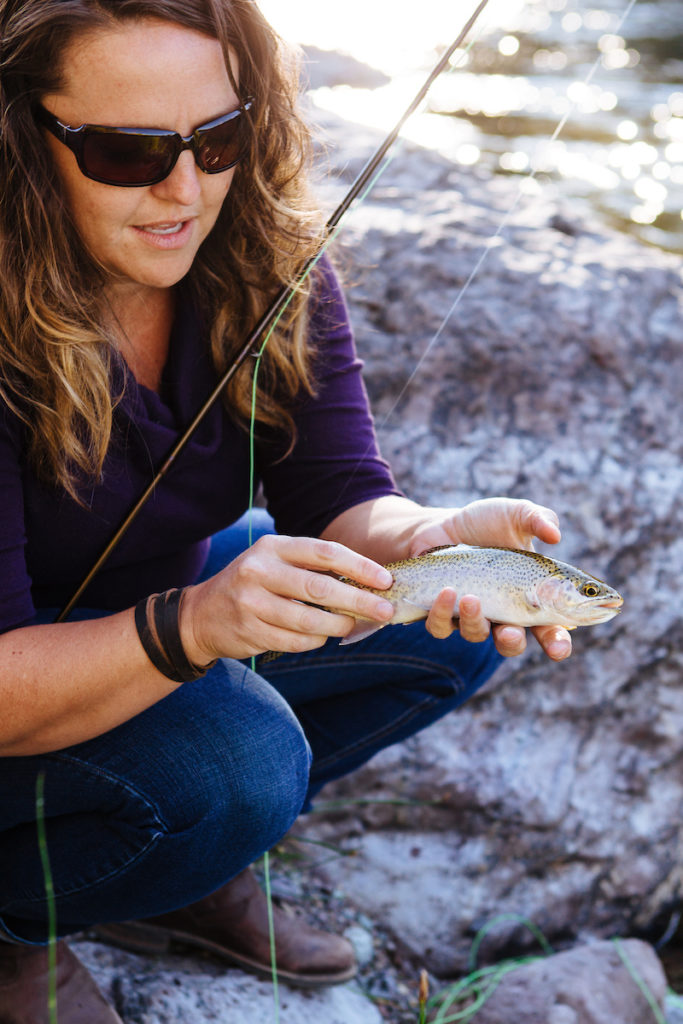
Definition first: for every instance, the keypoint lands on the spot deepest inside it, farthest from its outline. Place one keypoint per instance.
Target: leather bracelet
(156, 622)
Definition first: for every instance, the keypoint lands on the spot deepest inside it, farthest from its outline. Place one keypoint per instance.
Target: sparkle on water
(622, 147)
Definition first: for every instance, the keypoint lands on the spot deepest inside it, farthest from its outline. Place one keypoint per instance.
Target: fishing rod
(271, 315)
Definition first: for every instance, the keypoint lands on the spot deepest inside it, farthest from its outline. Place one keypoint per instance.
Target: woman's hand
(503, 522)
(263, 600)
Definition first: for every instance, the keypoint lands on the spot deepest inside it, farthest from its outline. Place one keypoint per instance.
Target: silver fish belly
(522, 588)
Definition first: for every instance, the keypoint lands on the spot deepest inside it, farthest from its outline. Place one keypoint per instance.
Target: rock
(330, 67)
(587, 985)
(673, 1009)
(362, 942)
(556, 794)
(180, 990)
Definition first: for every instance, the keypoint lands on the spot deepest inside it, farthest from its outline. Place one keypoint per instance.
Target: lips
(164, 229)
(168, 234)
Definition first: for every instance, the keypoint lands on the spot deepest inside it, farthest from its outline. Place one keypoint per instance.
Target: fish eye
(590, 590)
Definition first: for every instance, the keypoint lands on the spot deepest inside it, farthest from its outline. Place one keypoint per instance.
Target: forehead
(146, 72)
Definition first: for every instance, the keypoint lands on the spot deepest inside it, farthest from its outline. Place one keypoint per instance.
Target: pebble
(363, 944)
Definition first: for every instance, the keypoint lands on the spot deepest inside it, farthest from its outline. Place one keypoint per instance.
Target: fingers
(328, 556)
(542, 522)
(296, 574)
(333, 594)
(508, 522)
(555, 641)
(471, 623)
(440, 621)
(269, 597)
(510, 640)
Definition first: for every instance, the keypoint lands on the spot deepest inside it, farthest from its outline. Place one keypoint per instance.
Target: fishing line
(271, 315)
(252, 486)
(492, 241)
(490, 244)
(523, 185)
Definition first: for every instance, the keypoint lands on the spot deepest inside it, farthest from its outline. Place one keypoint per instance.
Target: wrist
(187, 619)
(439, 527)
(157, 621)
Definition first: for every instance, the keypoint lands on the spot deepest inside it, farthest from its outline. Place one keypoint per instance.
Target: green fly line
(480, 983)
(50, 895)
(494, 975)
(40, 783)
(252, 477)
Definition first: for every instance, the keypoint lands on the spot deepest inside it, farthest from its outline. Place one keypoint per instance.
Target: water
(619, 155)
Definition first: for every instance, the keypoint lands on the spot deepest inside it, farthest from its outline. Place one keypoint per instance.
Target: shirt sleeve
(16, 605)
(336, 463)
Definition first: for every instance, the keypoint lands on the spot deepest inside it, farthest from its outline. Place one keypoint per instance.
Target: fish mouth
(614, 602)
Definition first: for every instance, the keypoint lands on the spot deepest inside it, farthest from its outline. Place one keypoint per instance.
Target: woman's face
(144, 74)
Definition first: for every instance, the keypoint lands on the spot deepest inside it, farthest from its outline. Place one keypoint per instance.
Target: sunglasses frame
(75, 138)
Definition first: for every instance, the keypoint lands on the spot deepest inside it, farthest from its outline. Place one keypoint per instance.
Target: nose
(183, 184)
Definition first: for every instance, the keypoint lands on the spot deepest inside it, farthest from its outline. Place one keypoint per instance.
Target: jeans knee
(241, 779)
(276, 787)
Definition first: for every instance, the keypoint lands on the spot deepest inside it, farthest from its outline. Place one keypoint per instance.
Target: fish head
(577, 599)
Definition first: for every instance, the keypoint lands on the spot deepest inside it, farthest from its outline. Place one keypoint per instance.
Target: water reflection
(621, 149)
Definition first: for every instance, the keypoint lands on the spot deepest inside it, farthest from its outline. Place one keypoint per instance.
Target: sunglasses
(133, 157)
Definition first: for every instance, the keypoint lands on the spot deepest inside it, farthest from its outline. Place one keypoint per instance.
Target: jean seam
(87, 767)
(409, 661)
(125, 786)
(75, 890)
(372, 738)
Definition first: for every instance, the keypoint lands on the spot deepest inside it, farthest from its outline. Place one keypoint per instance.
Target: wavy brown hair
(56, 354)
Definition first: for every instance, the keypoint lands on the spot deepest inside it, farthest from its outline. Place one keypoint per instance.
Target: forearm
(385, 528)
(63, 684)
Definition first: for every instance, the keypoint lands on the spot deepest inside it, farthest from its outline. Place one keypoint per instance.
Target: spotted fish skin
(518, 587)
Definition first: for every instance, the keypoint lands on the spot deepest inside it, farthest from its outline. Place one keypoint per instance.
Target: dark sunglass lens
(220, 147)
(123, 159)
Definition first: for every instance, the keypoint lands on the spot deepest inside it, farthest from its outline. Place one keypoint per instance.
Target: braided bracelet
(156, 621)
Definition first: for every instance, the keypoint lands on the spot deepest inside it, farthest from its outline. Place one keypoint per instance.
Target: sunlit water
(532, 63)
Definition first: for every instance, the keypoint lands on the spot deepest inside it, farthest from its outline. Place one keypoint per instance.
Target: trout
(521, 588)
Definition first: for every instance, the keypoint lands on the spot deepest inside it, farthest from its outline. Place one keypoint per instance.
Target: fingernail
(384, 578)
(509, 636)
(559, 649)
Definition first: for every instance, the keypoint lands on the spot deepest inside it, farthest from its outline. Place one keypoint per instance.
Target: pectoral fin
(361, 629)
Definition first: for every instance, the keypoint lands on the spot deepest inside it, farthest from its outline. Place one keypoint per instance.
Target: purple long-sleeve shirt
(48, 541)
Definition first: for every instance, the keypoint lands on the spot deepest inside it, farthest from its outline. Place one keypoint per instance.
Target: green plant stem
(271, 934)
(645, 990)
(50, 895)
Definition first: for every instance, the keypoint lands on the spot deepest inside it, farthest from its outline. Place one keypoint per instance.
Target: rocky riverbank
(555, 796)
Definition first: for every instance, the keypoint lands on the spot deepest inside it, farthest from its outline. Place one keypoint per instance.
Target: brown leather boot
(233, 924)
(24, 988)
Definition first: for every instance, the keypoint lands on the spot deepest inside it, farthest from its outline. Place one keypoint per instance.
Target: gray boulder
(596, 984)
(184, 990)
(556, 794)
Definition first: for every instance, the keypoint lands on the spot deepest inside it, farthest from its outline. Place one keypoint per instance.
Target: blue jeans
(169, 806)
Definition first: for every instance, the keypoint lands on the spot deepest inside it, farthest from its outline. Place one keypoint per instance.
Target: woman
(134, 263)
